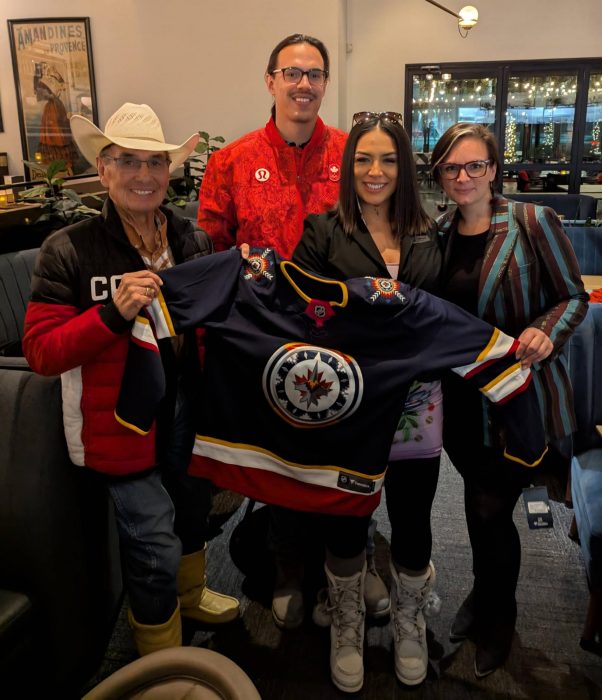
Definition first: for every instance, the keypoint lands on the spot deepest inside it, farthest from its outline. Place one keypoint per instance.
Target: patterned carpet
(546, 661)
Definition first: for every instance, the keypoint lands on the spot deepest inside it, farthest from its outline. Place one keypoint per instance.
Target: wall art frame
(54, 79)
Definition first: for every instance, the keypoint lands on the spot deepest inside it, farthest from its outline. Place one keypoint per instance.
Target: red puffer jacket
(72, 328)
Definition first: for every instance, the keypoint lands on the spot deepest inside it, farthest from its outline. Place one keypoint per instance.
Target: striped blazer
(530, 277)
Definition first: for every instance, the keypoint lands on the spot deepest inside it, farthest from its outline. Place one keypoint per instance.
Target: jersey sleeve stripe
(142, 334)
(161, 317)
(499, 345)
(507, 384)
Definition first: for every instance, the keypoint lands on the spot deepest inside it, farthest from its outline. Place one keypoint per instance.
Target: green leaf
(73, 196)
(88, 210)
(204, 135)
(35, 166)
(34, 192)
(55, 167)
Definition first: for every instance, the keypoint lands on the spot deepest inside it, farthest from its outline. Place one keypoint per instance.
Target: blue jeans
(150, 548)
(160, 516)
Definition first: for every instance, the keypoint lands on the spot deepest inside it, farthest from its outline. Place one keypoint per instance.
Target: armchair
(585, 357)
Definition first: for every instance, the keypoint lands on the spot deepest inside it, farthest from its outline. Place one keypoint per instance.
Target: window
(592, 148)
(439, 101)
(546, 115)
(540, 114)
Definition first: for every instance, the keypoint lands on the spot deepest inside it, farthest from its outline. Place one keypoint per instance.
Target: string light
(510, 139)
(596, 139)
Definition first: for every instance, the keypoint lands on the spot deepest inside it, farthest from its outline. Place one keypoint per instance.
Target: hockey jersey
(305, 376)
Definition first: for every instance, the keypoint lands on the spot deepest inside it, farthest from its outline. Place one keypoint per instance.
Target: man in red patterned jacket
(260, 188)
(258, 191)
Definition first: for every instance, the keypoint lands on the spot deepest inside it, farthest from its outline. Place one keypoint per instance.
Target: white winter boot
(347, 612)
(409, 595)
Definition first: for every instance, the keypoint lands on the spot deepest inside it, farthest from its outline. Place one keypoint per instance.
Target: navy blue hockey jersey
(305, 377)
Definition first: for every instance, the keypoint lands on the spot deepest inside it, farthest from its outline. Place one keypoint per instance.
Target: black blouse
(460, 283)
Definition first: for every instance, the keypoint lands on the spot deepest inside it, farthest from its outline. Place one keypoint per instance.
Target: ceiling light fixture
(467, 17)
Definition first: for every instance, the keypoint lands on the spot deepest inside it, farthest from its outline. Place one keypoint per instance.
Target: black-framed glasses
(361, 117)
(292, 74)
(474, 168)
(129, 164)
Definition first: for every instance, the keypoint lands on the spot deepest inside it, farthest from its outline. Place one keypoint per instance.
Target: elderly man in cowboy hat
(90, 281)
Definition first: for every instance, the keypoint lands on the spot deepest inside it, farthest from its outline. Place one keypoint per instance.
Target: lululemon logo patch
(309, 386)
(262, 174)
(334, 173)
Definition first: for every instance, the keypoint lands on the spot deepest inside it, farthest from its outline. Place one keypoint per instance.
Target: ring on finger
(149, 292)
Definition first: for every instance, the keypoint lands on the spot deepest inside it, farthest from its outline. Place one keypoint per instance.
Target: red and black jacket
(72, 328)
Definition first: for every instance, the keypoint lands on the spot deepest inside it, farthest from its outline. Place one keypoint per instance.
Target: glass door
(442, 99)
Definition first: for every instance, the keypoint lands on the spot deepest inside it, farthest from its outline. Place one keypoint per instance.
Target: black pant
(410, 487)
(492, 486)
(292, 532)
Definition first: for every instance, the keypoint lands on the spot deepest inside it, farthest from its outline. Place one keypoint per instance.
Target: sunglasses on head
(362, 117)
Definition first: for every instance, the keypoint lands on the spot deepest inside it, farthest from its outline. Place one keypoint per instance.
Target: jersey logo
(259, 266)
(334, 173)
(382, 289)
(262, 174)
(310, 386)
(319, 311)
(352, 482)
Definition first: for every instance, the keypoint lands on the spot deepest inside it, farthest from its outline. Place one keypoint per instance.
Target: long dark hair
(290, 41)
(406, 213)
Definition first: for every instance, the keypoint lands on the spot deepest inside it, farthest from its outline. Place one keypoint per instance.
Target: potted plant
(60, 205)
(187, 188)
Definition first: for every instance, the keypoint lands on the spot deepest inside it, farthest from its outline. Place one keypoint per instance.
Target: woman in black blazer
(380, 229)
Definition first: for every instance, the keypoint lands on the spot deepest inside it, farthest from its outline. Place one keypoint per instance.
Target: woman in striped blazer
(511, 264)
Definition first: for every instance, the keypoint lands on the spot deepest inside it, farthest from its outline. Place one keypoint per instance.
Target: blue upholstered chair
(587, 243)
(572, 206)
(585, 358)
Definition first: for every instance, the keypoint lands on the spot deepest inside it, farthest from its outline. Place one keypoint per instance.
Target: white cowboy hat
(132, 126)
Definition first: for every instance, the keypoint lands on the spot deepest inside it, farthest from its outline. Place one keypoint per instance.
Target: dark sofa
(60, 573)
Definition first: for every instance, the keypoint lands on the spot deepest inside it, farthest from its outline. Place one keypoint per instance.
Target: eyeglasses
(474, 168)
(129, 164)
(316, 76)
(362, 117)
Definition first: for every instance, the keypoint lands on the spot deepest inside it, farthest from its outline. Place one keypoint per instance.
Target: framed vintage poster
(54, 79)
